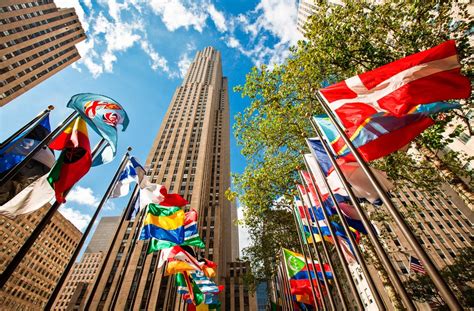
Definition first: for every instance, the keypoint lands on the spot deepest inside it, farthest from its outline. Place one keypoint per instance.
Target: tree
(460, 276)
(341, 41)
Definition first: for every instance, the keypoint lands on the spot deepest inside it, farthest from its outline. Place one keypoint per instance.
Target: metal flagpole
(7, 273)
(307, 214)
(40, 117)
(114, 239)
(131, 249)
(318, 281)
(342, 259)
(72, 260)
(358, 255)
(11, 173)
(302, 243)
(281, 290)
(441, 285)
(331, 265)
(286, 282)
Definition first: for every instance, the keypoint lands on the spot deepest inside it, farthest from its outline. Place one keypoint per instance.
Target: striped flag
(416, 266)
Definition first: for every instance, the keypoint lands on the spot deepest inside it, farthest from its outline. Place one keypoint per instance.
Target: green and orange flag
(75, 159)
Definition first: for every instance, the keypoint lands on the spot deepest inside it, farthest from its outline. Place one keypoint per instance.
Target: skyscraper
(190, 156)
(37, 40)
(83, 273)
(33, 281)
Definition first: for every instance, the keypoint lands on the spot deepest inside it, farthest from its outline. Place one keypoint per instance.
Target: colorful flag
(416, 266)
(191, 235)
(182, 259)
(382, 133)
(205, 284)
(354, 174)
(75, 158)
(395, 88)
(103, 114)
(164, 224)
(16, 151)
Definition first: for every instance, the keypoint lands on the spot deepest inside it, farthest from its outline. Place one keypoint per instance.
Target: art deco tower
(190, 156)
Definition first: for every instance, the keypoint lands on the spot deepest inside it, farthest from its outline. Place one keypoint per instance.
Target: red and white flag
(395, 88)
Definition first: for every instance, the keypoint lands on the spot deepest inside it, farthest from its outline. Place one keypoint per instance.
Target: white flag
(30, 199)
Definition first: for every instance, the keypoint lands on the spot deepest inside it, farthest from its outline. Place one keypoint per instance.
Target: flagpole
(435, 275)
(284, 293)
(301, 240)
(358, 254)
(342, 259)
(279, 288)
(72, 260)
(336, 280)
(305, 242)
(11, 173)
(286, 282)
(36, 120)
(10, 268)
(114, 239)
(131, 249)
(382, 255)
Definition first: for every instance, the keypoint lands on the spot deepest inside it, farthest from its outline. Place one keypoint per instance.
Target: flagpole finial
(50, 107)
(129, 149)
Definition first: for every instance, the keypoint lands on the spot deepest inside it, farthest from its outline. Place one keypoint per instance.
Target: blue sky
(137, 52)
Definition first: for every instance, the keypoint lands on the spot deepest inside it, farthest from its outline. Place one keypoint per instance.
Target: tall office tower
(33, 281)
(83, 273)
(37, 40)
(190, 155)
(442, 222)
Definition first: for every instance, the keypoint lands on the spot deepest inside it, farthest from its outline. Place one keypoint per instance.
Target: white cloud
(77, 218)
(218, 18)
(186, 59)
(232, 42)
(157, 60)
(279, 17)
(84, 196)
(174, 14)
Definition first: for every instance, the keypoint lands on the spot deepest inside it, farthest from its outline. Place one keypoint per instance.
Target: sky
(137, 52)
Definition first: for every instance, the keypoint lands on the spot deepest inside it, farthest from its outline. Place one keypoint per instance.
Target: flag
(382, 133)
(16, 151)
(395, 88)
(33, 197)
(205, 284)
(75, 158)
(191, 236)
(354, 174)
(416, 266)
(128, 176)
(181, 259)
(103, 114)
(164, 224)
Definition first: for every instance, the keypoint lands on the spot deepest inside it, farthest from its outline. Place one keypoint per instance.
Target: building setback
(190, 156)
(37, 40)
(83, 273)
(35, 278)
